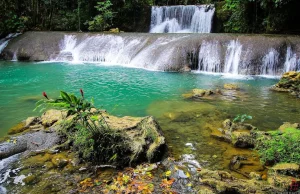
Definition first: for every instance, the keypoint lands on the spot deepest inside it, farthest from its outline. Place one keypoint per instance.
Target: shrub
(88, 130)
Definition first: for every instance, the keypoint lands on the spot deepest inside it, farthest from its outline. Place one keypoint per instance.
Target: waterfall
(4, 41)
(292, 63)
(15, 58)
(233, 56)
(68, 43)
(127, 51)
(270, 63)
(172, 52)
(209, 57)
(182, 19)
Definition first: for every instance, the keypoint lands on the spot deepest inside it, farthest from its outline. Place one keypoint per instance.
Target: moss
(279, 146)
(37, 161)
(59, 160)
(19, 128)
(30, 180)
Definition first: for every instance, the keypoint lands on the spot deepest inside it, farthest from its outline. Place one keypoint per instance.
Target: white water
(182, 19)
(128, 51)
(15, 58)
(167, 52)
(4, 41)
(292, 62)
(270, 63)
(233, 56)
(209, 57)
(6, 171)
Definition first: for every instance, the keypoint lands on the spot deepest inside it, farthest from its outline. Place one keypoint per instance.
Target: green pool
(138, 92)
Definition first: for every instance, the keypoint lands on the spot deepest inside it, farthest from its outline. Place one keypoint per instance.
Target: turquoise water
(128, 91)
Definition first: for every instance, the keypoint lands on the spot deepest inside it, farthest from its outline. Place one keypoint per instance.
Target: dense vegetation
(279, 147)
(87, 129)
(243, 16)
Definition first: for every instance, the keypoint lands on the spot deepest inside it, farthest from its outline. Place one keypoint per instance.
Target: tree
(104, 19)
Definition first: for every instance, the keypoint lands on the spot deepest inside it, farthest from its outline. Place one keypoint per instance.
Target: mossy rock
(291, 169)
(288, 125)
(59, 160)
(231, 87)
(30, 180)
(19, 128)
(37, 160)
(52, 116)
(242, 140)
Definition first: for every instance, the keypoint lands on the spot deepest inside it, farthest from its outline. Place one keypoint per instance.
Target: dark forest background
(234, 16)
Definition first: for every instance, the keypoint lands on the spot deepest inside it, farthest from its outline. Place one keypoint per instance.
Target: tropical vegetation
(241, 16)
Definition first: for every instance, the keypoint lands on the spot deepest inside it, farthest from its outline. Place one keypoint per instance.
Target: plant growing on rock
(87, 129)
(241, 118)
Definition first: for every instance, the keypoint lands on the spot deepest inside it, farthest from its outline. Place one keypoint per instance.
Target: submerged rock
(202, 94)
(231, 87)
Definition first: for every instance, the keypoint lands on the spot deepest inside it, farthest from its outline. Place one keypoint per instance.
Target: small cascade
(4, 41)
(182, 19)
(209, 57)
(270, 63)
(292, 62)
(6, 173)
(233, 56)
(67, 46)
(15, 58)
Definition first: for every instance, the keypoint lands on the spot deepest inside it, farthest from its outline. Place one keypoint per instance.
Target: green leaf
(65, 96)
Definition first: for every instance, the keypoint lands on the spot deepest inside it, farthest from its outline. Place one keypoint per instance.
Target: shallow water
(138, 92)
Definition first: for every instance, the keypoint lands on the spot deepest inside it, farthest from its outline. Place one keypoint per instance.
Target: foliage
(271, 16)
(104, 19)
(241, 118)
(87, 129)
(279, 146)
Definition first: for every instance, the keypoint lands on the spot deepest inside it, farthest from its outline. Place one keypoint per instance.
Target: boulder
(287, 125)
(291, 169)
(146, 141)
(52, 116)
(242, 140)
(242, 126)
(289, 82)
(31, 121)
(202, 94)
(59, 160)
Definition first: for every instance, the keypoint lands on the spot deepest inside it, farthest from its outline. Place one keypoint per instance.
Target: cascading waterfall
(4, 41)
(270, 63)
(182, 19)
(233, 56)
(169, 52)
(129, 51)
(209, 57)
(292, 62)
